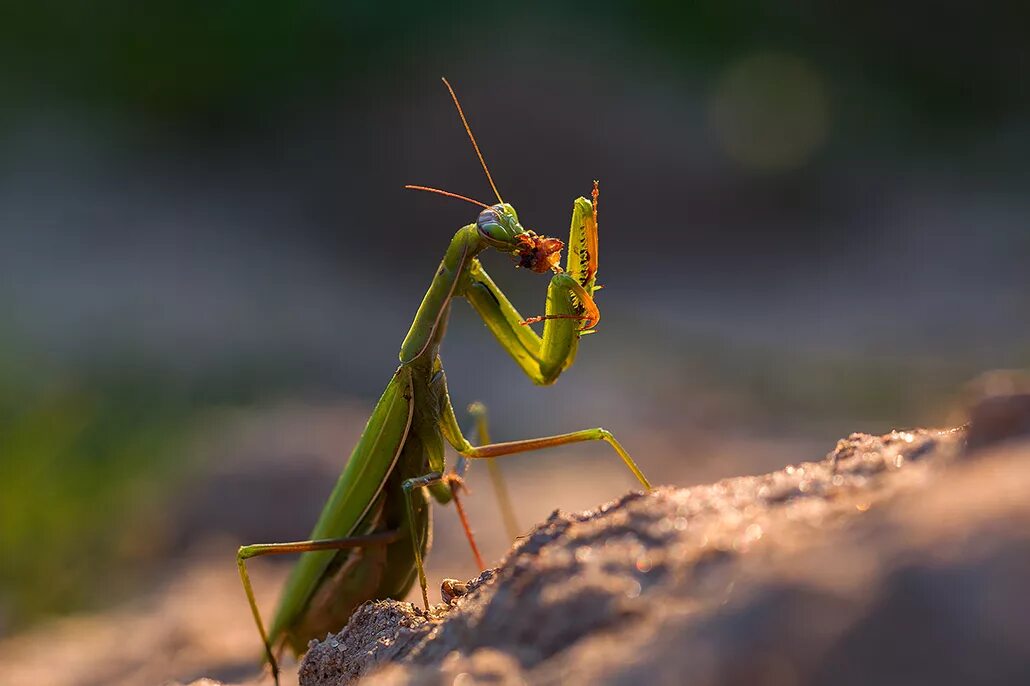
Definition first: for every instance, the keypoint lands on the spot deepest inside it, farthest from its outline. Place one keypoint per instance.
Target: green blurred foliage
(85, 459)
(88, 460)
(191, 61)
(186, 60)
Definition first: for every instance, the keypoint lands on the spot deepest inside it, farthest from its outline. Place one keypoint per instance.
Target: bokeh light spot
(770, 111)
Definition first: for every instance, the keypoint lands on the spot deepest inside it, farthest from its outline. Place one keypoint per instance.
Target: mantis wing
(356, 490)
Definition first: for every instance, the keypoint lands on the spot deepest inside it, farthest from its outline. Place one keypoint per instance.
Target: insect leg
(455, 483)
(542, 358)
(581, 265)
(511, 447)
(482, 433)
(258, 549)
(452, 432)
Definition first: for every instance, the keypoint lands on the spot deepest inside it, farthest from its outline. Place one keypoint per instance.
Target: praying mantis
(374, 530)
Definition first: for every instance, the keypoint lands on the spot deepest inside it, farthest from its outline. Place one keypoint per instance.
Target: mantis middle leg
(452, 432)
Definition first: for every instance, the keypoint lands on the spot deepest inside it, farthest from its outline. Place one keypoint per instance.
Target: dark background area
(813, 221)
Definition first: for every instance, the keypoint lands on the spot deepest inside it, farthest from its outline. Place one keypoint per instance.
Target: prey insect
(374, 531)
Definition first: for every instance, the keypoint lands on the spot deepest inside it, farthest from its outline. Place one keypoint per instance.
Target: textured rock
(893, 560)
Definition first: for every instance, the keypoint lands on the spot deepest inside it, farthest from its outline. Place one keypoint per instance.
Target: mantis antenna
(446, 193)
(473, 139)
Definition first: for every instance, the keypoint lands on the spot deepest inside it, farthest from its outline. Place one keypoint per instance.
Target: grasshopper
(375, 528)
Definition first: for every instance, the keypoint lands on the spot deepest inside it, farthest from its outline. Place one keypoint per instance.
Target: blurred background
(814, 220)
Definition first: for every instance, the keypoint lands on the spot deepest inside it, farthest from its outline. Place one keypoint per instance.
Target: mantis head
(499, 226)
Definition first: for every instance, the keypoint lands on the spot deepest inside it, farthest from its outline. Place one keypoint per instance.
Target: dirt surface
(189, 627)
(896, 559)
(269, 474)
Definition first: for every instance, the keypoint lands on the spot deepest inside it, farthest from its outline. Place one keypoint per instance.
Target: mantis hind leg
(259, 549)
(482, 433)
(454, 480)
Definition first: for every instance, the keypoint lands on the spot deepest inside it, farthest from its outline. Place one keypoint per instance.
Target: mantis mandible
(374, 530)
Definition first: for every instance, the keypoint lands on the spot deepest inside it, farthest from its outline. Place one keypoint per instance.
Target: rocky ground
(896, 559)
(900, 558)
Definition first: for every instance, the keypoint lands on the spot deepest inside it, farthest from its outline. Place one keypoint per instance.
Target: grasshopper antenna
(446, 193)
(472, 138)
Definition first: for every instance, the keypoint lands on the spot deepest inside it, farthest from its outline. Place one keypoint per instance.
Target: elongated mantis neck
(427, 329)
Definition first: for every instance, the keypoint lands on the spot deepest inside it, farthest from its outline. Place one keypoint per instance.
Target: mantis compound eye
(496, 228)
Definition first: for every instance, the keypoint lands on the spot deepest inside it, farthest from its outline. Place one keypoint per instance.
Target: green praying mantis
(374, 531)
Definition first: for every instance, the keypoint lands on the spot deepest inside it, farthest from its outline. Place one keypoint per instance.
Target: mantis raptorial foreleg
(569, 308)
(542, 358)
